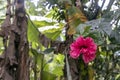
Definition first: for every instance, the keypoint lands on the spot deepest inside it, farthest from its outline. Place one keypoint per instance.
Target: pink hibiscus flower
(85, 47)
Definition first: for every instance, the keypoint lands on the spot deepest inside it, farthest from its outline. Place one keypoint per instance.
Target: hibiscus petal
(84, 50)
(74, 46)
(80, 41)
(84, 46)
(88, 57)
(89, 41)
(93, 48)
(75, 53)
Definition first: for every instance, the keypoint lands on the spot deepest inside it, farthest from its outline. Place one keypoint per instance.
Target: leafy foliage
(106, 65)
(68, 20)
(34, 33)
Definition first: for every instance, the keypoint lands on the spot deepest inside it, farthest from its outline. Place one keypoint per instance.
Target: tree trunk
(21, 42)
(14, 64)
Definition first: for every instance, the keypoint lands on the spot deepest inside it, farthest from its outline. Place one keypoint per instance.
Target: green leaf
(102, 25)
(48, 76)
(50, 14)
(37, 57)
(106, 27)
(59, 59)
(117, 77)
(103, 53)
(56, 66)
(87, 29)
(33, 33)
(53, 35)
(43, 23)
(96, 35)
(58, 71)
(49, 50)
(83, 30)
(75, 17)
(115, 35)
(49, 61)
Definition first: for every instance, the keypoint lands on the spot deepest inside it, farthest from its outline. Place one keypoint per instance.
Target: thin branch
(102, 4)
(110, 5)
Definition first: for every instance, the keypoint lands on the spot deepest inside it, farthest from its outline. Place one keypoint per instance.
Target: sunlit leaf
(48, 76)
(33, 33)
(50, 14)
(58, 71)
(37, 58)
(117, 77)
(56, 66)
(53, 35)
(43, 23)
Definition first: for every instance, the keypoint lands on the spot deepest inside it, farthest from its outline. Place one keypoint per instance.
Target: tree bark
(14, 62)
(22, 42)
